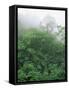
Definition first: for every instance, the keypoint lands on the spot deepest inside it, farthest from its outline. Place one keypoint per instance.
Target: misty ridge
(47, 23)
(41, 48)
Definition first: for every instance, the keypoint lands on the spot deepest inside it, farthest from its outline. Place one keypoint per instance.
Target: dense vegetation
(40, 56)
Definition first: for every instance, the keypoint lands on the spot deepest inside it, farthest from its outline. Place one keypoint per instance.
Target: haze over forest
(41, 45)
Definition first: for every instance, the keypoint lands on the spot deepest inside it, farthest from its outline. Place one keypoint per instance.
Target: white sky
(37, 15)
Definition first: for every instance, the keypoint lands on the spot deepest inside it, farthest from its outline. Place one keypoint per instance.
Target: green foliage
(40, 56)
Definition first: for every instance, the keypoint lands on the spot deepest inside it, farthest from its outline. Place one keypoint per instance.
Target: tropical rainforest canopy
(41, 56)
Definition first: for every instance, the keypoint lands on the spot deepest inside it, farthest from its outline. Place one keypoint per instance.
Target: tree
(49, 24)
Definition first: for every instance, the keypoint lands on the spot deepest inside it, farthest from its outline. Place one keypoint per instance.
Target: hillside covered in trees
(41, 47)
(40, 56)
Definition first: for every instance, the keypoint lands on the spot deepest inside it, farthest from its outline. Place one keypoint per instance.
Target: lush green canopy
(40, 56)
